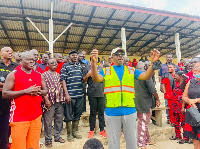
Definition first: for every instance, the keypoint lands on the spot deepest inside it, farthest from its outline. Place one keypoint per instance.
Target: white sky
(191, 7)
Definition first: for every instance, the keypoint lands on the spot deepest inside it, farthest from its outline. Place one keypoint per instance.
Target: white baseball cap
(116, 49)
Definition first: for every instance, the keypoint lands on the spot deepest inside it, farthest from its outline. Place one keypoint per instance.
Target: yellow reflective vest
(119, 93)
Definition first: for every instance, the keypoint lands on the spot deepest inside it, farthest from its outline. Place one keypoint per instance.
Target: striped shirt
(54, 88)
(72, 74)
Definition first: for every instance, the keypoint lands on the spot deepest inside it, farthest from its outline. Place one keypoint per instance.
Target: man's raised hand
(155, 55)
(94, 55)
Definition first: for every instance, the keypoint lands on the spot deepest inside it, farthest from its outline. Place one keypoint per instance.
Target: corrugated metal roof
(94, 26)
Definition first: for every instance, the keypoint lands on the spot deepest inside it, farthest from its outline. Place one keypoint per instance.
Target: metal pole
(123, 38)
(51, 10)
(63, 32)
(51, 36)
(178, 50)
(37, 29)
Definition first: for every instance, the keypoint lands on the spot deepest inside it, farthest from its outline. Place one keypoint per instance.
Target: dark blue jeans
(4, 126)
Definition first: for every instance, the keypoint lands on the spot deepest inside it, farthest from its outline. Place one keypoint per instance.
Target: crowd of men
(58, 84)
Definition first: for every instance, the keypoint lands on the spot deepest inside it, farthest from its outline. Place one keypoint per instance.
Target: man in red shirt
(181, 66)
(36, 66)
(110, 60)
(168, 84)
(59, 58)
(134, 62)
(25, 87)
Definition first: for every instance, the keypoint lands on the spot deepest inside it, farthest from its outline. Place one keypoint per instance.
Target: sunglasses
(118, 54)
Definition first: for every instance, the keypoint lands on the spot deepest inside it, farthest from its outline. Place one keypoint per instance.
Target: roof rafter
(6, 33)
(183, 37)
(147, 43)
(111, 40)
(99, 35)
(147, 32)
(72, 15)
(195, 53)
(25, 26)
(88, 23)
(94, 24)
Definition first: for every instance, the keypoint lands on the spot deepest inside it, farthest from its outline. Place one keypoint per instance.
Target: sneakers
(91, 134)
(103, 134)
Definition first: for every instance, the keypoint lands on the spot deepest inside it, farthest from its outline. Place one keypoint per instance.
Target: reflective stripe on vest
(128, 89)
(114, 89)
(130, 70)
(107, 71)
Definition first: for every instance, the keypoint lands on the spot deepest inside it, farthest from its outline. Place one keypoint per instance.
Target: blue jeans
(4, 126)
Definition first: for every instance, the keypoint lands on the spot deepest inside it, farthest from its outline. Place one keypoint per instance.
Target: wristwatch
(156, 65)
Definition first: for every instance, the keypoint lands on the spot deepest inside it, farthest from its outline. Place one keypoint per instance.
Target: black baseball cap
(71, 52)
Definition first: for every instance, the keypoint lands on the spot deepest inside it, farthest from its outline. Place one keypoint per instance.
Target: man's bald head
(28, 61)
(17, 57)
(5, 48)
(58, 57)
(26, 54)
(7, 53)
(45, 58)
(57, 54)
(35, 54)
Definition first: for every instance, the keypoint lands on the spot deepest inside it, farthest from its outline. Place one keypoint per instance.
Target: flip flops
(151, 143)
(48, 144)
(61, 140)
(174, 138)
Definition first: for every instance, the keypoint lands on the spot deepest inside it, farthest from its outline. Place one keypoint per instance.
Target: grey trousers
(129, 125)
(56, 111)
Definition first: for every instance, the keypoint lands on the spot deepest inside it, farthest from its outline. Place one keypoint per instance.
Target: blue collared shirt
(43, 66)
(85, 61)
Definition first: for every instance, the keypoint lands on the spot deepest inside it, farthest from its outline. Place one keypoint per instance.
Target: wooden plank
(160, 108)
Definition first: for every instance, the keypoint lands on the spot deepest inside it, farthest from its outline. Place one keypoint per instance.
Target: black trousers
(97, 105)
(4, 127)
(84, 99)
(73, 110)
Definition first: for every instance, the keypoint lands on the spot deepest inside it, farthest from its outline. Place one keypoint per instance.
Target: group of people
(180, 86)
(36, 92)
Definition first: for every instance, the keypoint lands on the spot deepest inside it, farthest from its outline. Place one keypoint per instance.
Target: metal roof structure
(96, 24)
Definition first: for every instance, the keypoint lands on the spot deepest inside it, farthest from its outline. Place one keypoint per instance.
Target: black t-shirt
(4, 71)
(94, 89)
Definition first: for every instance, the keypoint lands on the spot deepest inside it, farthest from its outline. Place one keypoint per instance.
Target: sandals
(174, 138)
(144, 148)
(151, 143)
(48, 144)
(41, 144)
(61, 140)
(181, 142)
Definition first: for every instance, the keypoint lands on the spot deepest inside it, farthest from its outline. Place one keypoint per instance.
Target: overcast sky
(191, 7)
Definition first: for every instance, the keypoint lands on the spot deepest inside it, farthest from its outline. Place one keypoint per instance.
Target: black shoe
(154, 122)
(168, 122)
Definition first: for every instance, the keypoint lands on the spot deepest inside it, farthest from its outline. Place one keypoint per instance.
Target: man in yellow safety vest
(119, 89)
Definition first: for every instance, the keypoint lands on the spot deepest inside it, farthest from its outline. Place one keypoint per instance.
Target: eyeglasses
(118, 54)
